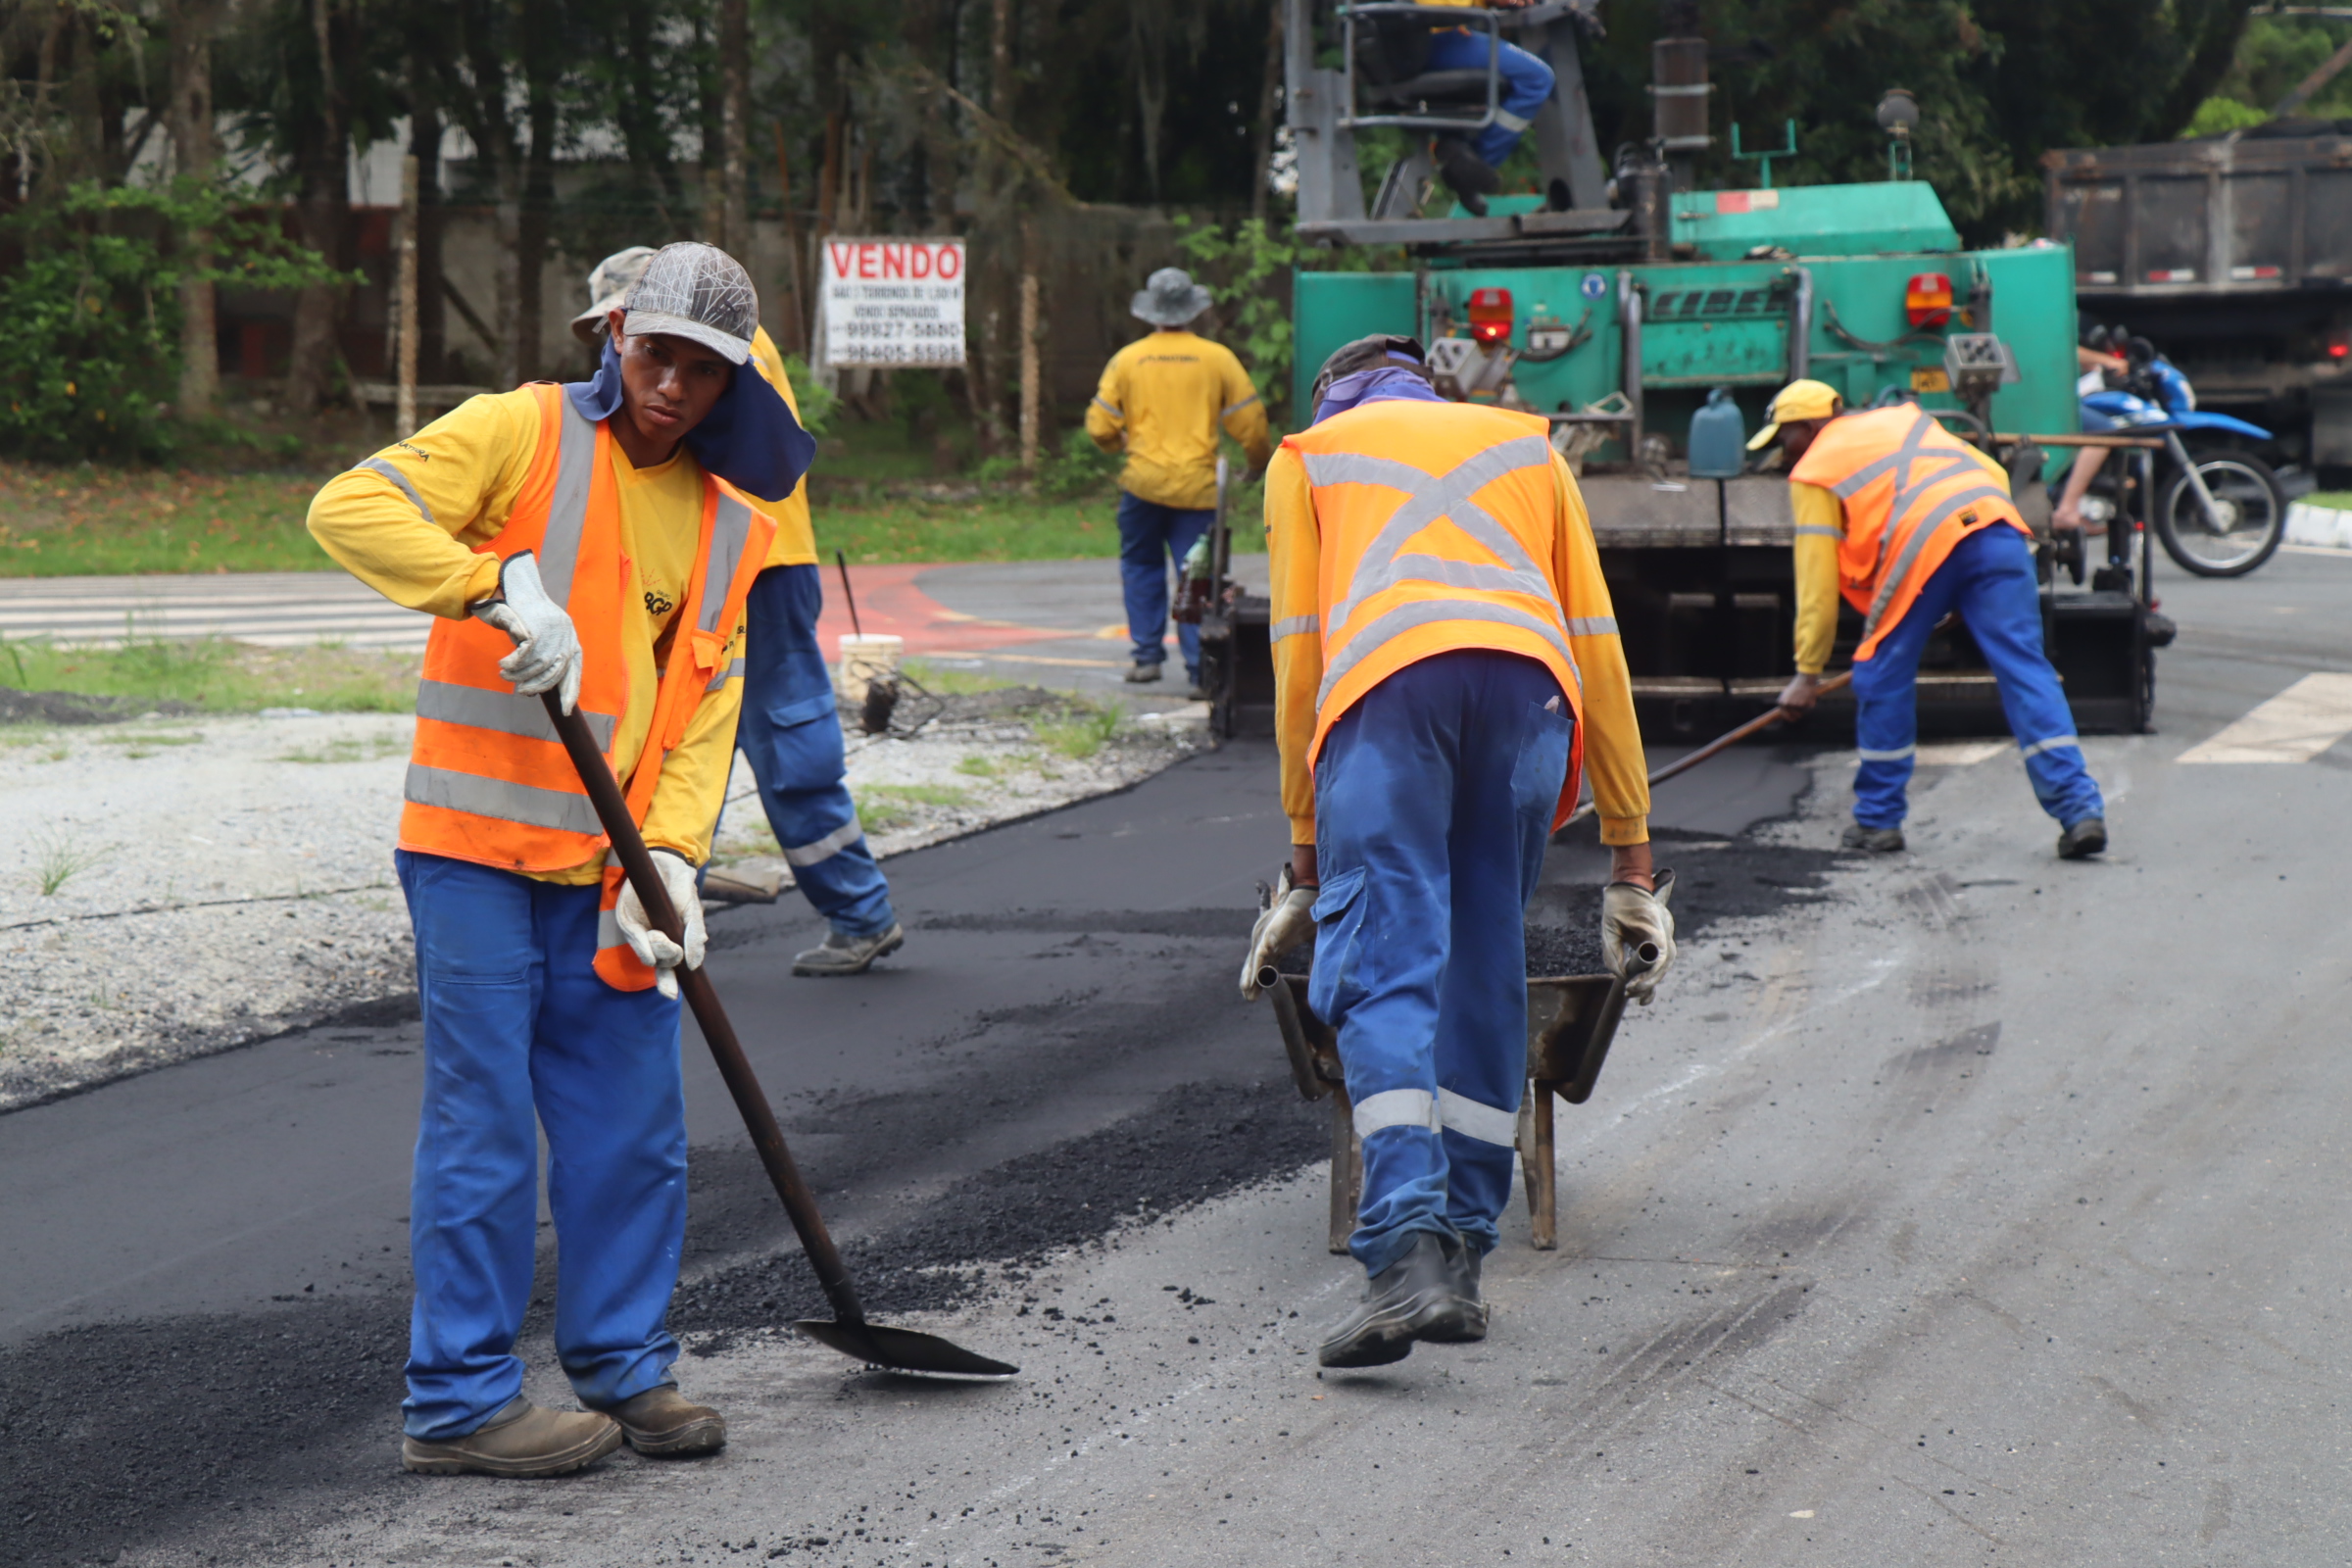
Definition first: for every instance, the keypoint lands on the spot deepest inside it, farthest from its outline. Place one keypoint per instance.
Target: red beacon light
(1928, 299)
(1491, 316)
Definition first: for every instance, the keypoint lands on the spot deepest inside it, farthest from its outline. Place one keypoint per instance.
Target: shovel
(847, 1331)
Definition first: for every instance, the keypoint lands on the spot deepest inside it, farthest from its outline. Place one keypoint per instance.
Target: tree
(190, 26)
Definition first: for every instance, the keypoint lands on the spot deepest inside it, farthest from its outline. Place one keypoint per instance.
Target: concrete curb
(2326, 527)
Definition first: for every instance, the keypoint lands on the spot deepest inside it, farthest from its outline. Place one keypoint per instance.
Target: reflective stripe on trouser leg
(1527, 84)
(791, 733)
(520, 1031)
(1434, 797)
(2002, 606)
(1886, 707)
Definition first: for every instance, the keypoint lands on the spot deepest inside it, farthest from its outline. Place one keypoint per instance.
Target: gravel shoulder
(176, 885)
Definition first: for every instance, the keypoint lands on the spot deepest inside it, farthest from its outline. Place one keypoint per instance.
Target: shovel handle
(1683, 764)
(613, 810)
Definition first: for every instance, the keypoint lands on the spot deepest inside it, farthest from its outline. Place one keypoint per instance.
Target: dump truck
(2232, 255)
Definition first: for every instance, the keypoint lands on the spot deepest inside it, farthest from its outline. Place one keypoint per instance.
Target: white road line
(2294, 726)
(279, 609)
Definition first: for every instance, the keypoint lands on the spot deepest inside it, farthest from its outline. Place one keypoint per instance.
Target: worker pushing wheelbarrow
(1446, 663)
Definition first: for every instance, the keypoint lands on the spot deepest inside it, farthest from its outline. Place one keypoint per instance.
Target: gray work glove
(652, 946)
(1287, 922)
(1629, 916)
(547, 650)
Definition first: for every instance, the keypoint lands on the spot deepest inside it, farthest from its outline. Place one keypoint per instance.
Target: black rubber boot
(1415, 1297)
(1461, 1271)
(1469, 177)
(1875, 840)
(2083, 839)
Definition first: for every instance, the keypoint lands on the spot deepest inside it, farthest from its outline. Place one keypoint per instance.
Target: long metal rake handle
(751, 1100)
(1683, 764)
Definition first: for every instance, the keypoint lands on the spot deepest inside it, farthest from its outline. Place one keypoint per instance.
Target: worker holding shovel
(597, 541)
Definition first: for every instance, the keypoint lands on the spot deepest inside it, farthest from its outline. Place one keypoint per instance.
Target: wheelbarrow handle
(751, 1100)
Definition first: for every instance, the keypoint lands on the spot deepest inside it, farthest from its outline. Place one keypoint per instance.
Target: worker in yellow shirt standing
(791, 730)
(595, 541)
(1912, 524)
(1162, 399)
(1445, 662)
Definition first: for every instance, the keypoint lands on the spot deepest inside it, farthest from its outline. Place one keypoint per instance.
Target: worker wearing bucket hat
(1161, 401)
(599, 542)
(1910, 525)
(791, 729)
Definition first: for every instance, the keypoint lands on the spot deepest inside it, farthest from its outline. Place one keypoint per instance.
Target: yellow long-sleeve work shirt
(466, 467)
(1613, 759)
(1820, 529)
(794, 543)
(1164, 398)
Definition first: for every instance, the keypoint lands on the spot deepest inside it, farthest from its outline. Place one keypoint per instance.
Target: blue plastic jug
(1718, 438)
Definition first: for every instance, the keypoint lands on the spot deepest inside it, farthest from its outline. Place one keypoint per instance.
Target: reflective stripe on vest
(1439, 529)
(1384, 564)
(488, 781)
(1892, 542)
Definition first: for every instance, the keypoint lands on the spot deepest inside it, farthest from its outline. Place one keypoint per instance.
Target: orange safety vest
(1912, 490)
(1437, 526)
(488, 780)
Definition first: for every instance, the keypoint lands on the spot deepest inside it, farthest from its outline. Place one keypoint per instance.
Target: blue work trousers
(1433, 798)
(1525, 86)
(520, 1034)
(1150, 536)
(1988, 578)
(791, 732)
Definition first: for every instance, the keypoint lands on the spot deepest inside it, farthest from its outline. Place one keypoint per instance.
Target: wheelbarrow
(1571, 1021)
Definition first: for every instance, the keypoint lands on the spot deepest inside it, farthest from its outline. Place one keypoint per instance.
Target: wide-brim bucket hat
(1170, 298)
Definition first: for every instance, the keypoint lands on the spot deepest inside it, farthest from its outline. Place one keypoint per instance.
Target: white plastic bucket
(865, 660)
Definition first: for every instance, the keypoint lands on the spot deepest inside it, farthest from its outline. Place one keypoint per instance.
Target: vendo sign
(892, 302)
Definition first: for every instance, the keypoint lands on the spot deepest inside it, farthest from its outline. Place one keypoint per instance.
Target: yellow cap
(1798, 399)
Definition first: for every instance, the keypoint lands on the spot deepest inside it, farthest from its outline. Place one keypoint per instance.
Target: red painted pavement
(890, 602)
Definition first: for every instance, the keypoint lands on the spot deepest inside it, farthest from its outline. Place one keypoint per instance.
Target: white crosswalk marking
(275, 609)
(2294, 726)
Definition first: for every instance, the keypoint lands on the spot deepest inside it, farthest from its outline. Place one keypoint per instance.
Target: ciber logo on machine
(656, 604)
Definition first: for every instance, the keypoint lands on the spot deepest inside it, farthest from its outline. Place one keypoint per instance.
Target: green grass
(2339, 499)
(885, 807)
(1082, 735)
(61, 857)
(942, 682)
(218, 676)
(350, 751)
(102, 521)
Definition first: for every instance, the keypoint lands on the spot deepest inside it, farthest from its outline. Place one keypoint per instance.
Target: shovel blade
(901, 1348)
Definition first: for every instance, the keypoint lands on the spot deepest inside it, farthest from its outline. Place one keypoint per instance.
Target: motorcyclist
(2125, 382)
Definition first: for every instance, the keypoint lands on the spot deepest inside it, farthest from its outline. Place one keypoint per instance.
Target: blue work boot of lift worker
(1428, 1293)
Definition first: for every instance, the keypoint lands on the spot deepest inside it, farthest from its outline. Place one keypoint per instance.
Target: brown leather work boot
(662, 1422)
(520, 1440)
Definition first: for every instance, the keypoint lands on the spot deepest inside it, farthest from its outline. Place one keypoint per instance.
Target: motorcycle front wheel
(2252, 516)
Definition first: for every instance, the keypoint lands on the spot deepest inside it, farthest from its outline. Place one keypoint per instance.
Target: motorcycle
(2220, 512)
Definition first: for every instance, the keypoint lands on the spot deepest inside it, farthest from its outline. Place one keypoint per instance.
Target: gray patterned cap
(699, 292)
(607, 290)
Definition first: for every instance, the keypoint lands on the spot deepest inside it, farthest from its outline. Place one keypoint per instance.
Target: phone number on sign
(853, 354)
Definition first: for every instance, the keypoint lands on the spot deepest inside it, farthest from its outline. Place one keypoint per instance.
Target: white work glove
(547, 650)
(1285, 923)
(1629, 916)
(652, 946)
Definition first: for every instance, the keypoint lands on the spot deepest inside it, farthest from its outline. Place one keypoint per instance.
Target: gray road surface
(1957, 1207)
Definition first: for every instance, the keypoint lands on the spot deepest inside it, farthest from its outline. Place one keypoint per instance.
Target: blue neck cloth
(1383, 383)
(749, 438)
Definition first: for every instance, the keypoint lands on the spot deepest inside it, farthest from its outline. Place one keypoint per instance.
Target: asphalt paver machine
(1617, 301)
